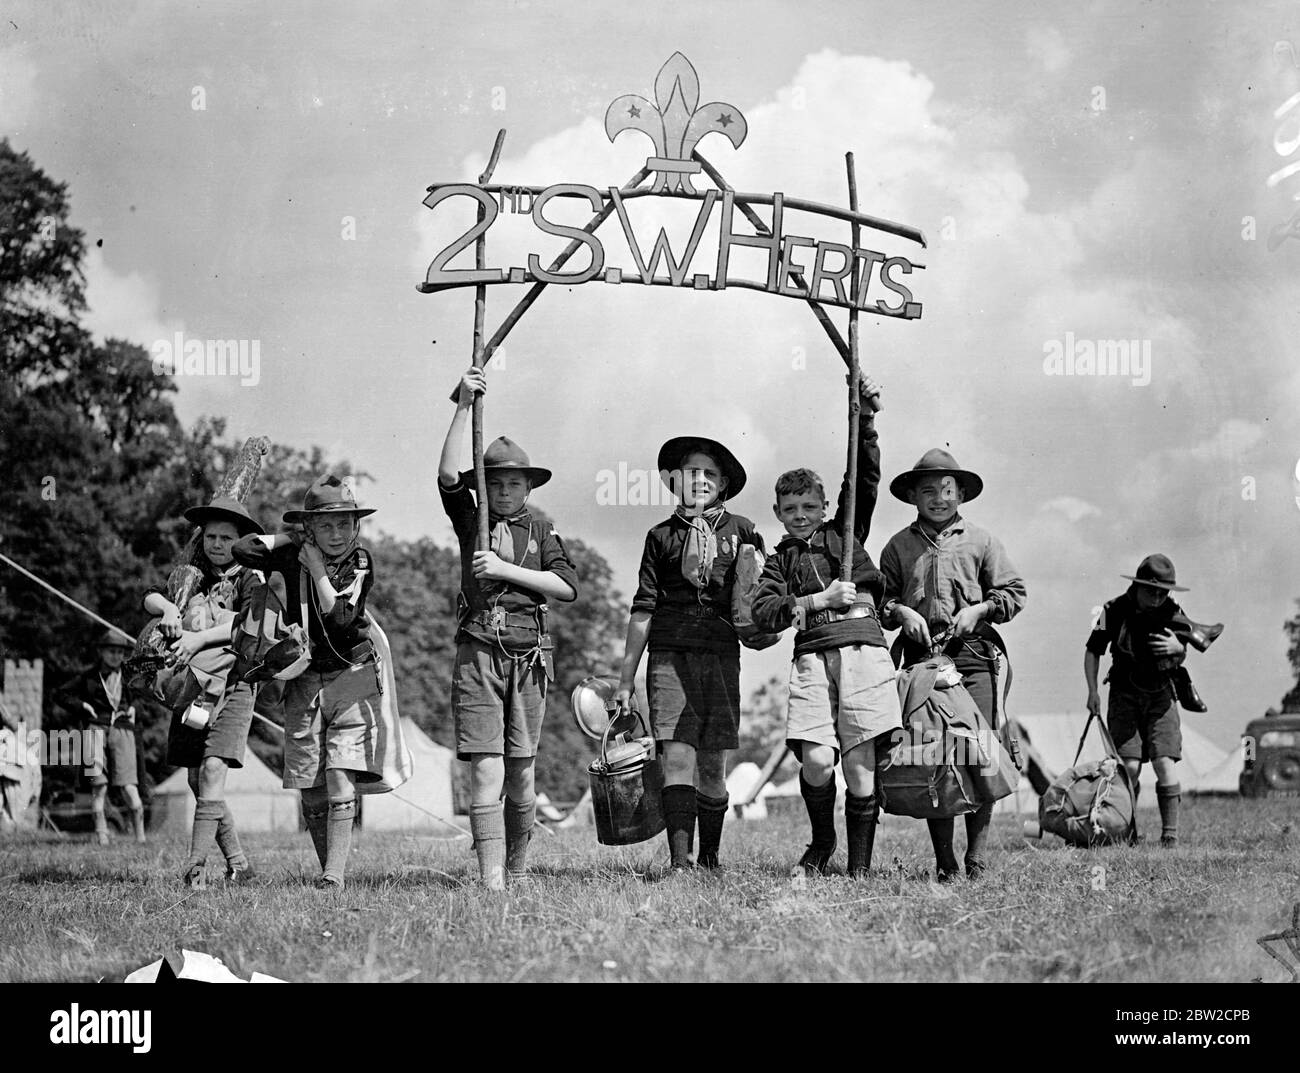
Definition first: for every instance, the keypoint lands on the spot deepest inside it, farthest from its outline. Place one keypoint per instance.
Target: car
(1272, 767)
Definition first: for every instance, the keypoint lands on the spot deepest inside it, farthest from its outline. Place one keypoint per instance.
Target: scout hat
(112, 639)
(936, 462)
(224, 509)
(1158, 572)
(672, 453)
(328, 495)
(504, 453)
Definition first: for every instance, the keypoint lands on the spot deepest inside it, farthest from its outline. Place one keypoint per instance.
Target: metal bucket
(627, 791)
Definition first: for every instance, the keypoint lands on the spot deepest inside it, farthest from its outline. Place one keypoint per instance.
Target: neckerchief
(701, 546)
(112, 688)
(502, 541)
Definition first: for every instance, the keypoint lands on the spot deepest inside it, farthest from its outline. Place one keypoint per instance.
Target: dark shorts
(1144, 725)
(499, 703)
(225, 736)
(695, 698)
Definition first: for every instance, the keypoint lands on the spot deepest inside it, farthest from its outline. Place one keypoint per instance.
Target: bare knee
(818, 763)
(710, 772)
(340, 785)
(212, 778)
(679, 763)
(860, 769)
(520, 778)
(487, 772)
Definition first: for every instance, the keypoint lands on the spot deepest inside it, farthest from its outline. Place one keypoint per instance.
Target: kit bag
(267, 648)
(749, 568)
(995, 773)
(1091, 804)
(924, 771)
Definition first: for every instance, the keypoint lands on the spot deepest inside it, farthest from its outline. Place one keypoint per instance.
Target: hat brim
(537, 475)
(672, 453)
(1166, 585)
(243, 523)
(292, 516)
(115, 643)
(972, 484)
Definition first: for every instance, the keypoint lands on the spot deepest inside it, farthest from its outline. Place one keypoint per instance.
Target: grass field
(412, 910)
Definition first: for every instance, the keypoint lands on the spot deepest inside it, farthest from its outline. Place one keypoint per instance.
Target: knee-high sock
(820, 802)
(712, 814)
(941, 838)
(488, 826)
(207, 814)
(228, 839)
(338, 839)
(519, 818)
(860, 816)
(317, 820)
(1169, 798)
(679, 815)
(977, 835)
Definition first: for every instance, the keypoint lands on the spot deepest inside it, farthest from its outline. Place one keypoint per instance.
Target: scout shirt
(938, 576)
(805, 567)
(1126, 629)
(535, 546)
(685, 618)
(107, 694)
(336, 636)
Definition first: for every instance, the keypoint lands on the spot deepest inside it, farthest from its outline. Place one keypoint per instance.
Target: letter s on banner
(565, 231)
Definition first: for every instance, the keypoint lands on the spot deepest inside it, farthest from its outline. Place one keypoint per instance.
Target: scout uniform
(331, 709)
(220, 596)
(693, 674)
(504, 651)
(937, 575)
(842, 690)
(1142, 711)
(101, 699)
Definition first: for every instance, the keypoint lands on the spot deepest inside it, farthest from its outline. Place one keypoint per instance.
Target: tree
(1291, 702)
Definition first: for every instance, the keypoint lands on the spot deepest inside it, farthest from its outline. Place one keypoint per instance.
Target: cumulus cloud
(124, 306)
(1071, 506)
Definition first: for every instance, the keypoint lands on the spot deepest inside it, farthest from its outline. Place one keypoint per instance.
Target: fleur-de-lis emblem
(676, 124)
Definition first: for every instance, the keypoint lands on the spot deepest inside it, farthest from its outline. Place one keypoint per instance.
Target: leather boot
(1186, 693)
(1203, 636)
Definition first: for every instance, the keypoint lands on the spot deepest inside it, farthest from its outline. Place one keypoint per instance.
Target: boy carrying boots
(946, 582)
(682, 611)
(101, 699)
(504, 660)
(1148, 634)
(332, 742)
(842, 691)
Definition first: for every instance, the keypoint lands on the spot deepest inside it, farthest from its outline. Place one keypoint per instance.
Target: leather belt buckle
(497, 618)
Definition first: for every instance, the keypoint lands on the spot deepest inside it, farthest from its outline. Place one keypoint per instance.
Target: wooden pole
(480, 308)
(855, 378)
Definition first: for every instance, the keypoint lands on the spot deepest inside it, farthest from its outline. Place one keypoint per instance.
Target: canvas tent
(424, 799)
(254, 792)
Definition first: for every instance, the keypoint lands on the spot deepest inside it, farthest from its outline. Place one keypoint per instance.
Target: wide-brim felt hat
(504, 453)
(1158, 572)
(224, 509)
(672, 453)
(112, 639)
(328, 495)
(936, 462)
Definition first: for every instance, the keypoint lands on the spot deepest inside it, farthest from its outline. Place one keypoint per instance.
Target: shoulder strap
(304, 580)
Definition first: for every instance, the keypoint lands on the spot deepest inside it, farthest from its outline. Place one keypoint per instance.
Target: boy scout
(504, 652)
(1148, 634)
(946, 582)
(100, 698)
(332, 750)
(682, 611)
(842, 691)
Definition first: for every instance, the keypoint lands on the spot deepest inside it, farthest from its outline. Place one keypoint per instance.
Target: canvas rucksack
(923, 771)
(1091, 804)
(266, 646)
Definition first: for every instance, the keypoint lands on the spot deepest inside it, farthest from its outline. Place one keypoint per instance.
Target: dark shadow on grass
(55, 874)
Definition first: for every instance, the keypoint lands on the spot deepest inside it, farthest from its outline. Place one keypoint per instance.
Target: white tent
(424, 799)
(254, 793)
(1203, 769)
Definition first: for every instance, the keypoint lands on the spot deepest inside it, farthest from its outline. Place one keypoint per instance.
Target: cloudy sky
(1091, 172)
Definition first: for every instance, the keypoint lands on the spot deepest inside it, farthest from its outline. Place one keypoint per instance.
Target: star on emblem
(725, 119)
(634, 111)
(1291, 939)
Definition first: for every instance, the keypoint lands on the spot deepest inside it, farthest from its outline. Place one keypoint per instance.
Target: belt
(824, 618)
(329, 660)
(692, 611)
(499, 619)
